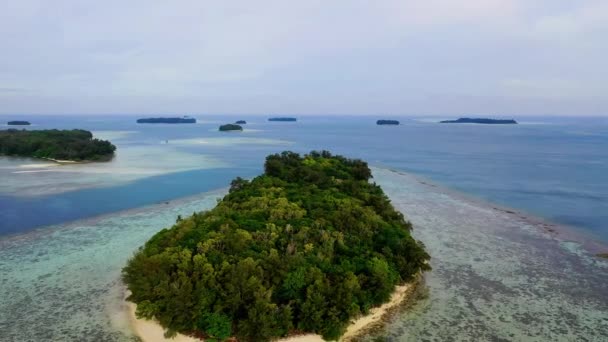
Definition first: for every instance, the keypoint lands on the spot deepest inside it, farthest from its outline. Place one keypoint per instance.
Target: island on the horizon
(18, 123)
(306, 247)
(183, 120)
(241, 122)
(482, 121)
(283, 119)
(75, 145)
(387, 122)
(230, 127)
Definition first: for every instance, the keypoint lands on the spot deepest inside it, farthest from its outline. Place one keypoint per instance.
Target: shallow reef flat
(27, 177)
(62, 283)
(498, 275)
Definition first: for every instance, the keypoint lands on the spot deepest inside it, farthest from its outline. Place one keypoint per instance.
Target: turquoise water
(66, 231)
(555, 168)
(62, 283)
(497, 275)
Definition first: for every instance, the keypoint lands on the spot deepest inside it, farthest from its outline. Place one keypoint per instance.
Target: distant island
(282, 119)
(60, 145)
(184, 120)
(230, 127)
(18, 123)
(306, 247)
(387, 122)
(482, 121)
(241, 122)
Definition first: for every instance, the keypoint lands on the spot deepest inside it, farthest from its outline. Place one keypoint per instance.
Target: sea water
(62, 283)
(556, 168)
(494, 276)
(498, 275)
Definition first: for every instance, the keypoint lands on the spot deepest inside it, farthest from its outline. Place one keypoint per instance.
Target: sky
(432, 57)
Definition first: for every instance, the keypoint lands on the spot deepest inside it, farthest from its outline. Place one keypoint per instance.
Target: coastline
(151, 331)
(554, 230)
(491, 268)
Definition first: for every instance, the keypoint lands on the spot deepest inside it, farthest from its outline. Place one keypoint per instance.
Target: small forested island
(282, 119)
(241, 122)
(230, 127)
(18, 123)
(387, 122)
(184, 120)
(65, 145)
(305, 247)
(482, 121)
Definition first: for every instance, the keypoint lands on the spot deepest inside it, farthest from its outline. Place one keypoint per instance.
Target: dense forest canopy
(183, 120)
(305, 247)
(482, 121)
(283, 119)
(18, 123)
(387, 122)
(230, 127)
(76, 144)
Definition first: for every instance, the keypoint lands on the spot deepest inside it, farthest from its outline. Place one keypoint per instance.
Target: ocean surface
(66, 230)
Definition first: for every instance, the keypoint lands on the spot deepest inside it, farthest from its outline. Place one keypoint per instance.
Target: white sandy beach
(151, 331)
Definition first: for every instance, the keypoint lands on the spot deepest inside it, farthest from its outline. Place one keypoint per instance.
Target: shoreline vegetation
(183, 120)
(482, 121)
(387, 122)
(403, 295)
(18, 123)
(305, 248)
(61, 146)
(230, 127)
(289, 119)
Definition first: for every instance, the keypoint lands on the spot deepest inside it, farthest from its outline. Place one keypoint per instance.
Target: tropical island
(18, 123)
(184, 120)
(482, 121)
(230, 127)
(282, 119)
(241, 122)
(387, 122)
(305, 247)
(60, 145)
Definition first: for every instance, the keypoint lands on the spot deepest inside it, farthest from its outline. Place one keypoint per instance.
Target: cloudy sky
(431, 57)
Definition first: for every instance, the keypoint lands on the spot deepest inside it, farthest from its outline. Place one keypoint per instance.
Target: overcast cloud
(432, 57)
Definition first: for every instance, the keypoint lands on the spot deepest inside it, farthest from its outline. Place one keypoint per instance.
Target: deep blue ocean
(556, 168)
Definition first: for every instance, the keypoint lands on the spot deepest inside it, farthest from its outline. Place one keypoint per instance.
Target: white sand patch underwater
(112, 135)
(131, 163)
(231, 141)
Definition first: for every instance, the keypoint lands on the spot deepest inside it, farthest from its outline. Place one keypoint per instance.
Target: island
(184, 120)
(387, 122)
(230, 127)
(75, 145)
(241, 122)
(18, 123)
(306, 247)
(482, 121)
(282, 119)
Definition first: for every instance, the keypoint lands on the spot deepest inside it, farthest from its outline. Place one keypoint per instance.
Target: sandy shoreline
(151, 331)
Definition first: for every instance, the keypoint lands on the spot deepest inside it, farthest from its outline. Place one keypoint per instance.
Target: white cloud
(312, 56)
